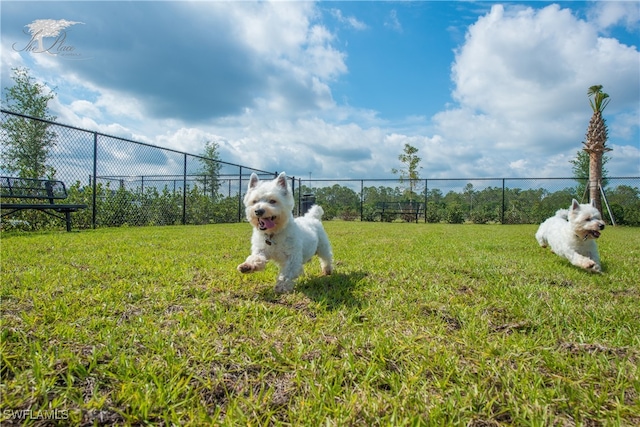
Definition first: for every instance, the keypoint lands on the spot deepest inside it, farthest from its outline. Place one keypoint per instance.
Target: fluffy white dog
(571, 233)
(277, 236)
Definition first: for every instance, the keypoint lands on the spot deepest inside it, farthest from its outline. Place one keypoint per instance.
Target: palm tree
(596, 139)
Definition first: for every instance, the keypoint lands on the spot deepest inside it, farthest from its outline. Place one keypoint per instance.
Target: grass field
(420, 325)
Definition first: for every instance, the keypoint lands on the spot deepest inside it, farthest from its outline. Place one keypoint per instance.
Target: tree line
(120, 206)
(471, 205)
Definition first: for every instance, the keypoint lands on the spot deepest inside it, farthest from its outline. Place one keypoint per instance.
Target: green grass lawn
(421, 324)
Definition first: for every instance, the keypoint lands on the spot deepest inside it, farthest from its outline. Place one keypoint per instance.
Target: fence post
(240, 195)
(293, 191)
(184, 191)
(361, 200)
(299, 196)
(94, 206)
(503, 207)
(426, 192)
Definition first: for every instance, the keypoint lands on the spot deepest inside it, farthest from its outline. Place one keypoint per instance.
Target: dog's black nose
(259, 212)
(601, 226)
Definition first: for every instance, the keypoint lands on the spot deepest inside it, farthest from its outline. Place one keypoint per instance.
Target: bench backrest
(401, 206)
(27, 188)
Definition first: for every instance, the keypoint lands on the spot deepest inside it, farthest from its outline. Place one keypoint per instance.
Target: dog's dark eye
(273, 202)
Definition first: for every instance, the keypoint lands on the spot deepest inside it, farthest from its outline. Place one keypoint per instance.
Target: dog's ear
(574, 205)
(253, 181)
(281, 180)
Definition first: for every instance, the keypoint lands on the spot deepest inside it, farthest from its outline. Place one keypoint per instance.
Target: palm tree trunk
(595, 177)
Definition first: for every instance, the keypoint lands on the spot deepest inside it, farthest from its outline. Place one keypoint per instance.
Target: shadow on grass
(332, 292)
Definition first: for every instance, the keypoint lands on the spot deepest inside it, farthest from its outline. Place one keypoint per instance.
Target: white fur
(571, 233)
(277, 236)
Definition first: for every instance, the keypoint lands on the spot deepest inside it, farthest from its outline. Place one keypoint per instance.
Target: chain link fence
(129, 183)
(464, 200)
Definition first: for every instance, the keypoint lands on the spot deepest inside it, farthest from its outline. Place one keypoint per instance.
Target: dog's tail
(563, 213)
(316, 212)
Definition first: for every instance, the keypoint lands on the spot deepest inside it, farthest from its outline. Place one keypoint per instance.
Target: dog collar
(267, 239)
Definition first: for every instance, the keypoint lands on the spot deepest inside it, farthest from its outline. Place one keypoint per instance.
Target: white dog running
(277, 236)
(571, 234)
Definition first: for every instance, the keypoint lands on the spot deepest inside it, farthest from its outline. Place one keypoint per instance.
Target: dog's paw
(245, 267)
(595, 268)
(591, 265)
(284, 286)
(252, 264)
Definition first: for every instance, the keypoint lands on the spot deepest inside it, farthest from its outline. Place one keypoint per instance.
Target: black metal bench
(13, 190)
(410, 210)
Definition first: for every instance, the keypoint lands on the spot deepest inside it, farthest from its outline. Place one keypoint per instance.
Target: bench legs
(406, 214)
(67, 215)
(66, 218)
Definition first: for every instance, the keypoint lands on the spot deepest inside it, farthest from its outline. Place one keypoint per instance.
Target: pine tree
(210, 171)
(26, 143)
(411, 160)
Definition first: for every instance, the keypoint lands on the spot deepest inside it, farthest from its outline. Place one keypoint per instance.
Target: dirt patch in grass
(451, 322)
(587, 348)
(223, 382)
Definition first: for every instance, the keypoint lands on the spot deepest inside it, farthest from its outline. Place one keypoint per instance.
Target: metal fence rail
(126, 182)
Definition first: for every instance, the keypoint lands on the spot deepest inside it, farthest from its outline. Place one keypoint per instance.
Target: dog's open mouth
(595, 234)
(266, 223)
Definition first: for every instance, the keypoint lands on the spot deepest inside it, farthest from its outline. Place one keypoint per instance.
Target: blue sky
(336, 89)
